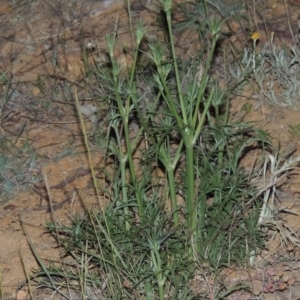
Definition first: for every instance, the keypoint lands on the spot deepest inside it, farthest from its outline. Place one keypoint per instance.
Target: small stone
(35, 91)
(282, 286)
(21, 295)
(257, 287)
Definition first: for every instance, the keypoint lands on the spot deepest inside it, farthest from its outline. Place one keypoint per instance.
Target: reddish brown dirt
(43, 39)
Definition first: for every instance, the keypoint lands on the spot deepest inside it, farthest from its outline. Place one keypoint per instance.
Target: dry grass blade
(51, 206)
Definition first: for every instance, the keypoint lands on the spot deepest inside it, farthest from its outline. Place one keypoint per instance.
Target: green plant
(295, 130)
(145, 261)
(171, 117)
(273, 72)
(18, 168)
(247, 107)
(18, 163)
(195, 11)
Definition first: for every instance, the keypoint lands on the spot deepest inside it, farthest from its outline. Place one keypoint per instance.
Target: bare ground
(42, 43)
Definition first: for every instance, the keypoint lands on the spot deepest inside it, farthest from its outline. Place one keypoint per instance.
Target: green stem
(168, 99)
(158, 272)
(199, 231)
(124, 113)
(171, 179)
(203, 82)
(170, 166)
(123, 161)
(132, 170)
(190, 201)
(203, 116)
(178, 83)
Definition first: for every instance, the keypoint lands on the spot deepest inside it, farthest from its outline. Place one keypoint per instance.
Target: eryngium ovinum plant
(168, 118)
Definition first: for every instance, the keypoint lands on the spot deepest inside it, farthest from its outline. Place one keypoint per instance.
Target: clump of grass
(274, 73)
(18, 169)
(145, 261)
(18, 163)
(171, 117)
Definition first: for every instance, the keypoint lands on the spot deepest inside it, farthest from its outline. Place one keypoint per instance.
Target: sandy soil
(43, 40)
